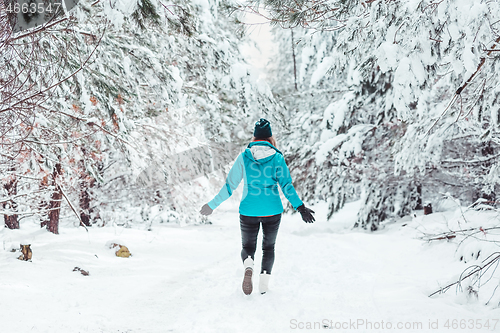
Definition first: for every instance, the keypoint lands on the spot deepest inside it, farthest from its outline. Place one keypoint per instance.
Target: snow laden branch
(453, 234)
(469, 80)
(475, 232)
(475, 274)
(93, 103)
(421, 73)
(37, 67)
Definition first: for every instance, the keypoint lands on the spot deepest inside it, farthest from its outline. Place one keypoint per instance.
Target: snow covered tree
(421, 88)
(34, 63)
(179, 85)
(133, 92)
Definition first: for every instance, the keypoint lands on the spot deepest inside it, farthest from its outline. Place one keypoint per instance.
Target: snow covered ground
(188, 279)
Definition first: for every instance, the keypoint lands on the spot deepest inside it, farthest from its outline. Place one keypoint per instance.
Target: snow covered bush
(473, 231)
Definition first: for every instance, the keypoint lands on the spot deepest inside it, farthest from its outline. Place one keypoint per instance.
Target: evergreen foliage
(415, 104)
(164, 78)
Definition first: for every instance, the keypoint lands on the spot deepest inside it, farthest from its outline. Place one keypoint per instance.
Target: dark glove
(306, 214)
(206, 210)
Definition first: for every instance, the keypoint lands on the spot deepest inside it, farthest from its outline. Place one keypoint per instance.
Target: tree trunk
(419, 205)
(55, 205)
(52, 220)
(294, 62)
(84, 206)
(11, 221)
(44, 205)
(86, 182)
(428, 209)
(84, 195)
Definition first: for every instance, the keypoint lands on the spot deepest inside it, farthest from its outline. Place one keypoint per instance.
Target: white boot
(247, 278)
(264, 282)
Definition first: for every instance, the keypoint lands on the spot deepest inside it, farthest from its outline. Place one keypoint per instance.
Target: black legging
(249, 226)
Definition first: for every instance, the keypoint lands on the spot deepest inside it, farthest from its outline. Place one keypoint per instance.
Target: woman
(262, 167)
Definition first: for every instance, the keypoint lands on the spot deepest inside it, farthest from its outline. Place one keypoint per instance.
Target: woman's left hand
(206, 210)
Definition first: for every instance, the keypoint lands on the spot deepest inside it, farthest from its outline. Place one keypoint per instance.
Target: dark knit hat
(262, 129)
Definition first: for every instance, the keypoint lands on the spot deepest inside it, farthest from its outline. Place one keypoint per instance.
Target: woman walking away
(262, 167)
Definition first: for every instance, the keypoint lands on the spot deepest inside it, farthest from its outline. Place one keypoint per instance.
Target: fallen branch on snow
(453, 233)
(476, 270)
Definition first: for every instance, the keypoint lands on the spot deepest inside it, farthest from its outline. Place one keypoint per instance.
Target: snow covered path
(189, 280)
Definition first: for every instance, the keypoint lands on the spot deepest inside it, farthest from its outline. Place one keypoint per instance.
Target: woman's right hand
(306, 214)
(206, 210)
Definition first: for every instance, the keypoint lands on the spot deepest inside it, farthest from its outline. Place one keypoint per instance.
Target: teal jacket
(262, 167)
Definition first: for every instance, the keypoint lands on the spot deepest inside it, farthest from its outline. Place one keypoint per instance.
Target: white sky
(260, 33)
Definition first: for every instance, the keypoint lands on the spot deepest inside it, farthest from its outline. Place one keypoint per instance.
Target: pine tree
(138, 86)
(420, 89)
